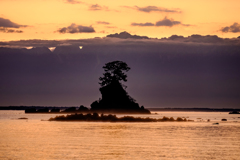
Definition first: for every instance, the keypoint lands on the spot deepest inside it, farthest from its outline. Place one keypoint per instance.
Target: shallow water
(36, 139)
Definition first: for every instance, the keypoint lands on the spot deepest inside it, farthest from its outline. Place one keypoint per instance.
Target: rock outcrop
(116, 100)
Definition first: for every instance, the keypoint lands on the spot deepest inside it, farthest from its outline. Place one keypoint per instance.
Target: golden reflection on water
(35, 139)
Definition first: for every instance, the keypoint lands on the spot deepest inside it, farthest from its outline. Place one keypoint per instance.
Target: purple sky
(195, 71)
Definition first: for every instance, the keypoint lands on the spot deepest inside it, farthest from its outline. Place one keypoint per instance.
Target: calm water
(36, 139)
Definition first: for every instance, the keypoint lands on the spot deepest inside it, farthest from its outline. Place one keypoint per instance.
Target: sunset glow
(72, 19)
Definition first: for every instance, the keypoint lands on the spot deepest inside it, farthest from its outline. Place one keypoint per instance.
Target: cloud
(149, 9)
(163, 73)
(235, 28)
(96, 7)
(143, 24)
(103, 22)
(111, 27)
(73, 28)
(195, 38)
(165, 22)
(6, 30)
(126, 35)
(73, 1)
(6, 23)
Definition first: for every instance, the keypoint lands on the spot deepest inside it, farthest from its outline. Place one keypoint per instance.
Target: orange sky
(43, 19)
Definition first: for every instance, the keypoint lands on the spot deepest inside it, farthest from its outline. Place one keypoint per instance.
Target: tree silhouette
(114, 71)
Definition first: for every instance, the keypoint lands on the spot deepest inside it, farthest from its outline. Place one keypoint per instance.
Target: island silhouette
(115, 98)
(113, 118)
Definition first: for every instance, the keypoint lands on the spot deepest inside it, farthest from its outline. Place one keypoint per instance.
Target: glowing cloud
(73, 1)
(9, 24)
(97, 7)
(167, 22)
(73, 28)
(51, 48)
(6, 30)
(235, 28)
(29, 47)
(103, 22)
(164, 22)
(149, 9)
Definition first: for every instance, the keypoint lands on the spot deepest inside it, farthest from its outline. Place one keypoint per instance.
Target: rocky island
(115, 99)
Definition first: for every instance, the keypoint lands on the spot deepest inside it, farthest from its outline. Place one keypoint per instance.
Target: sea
(205, 138)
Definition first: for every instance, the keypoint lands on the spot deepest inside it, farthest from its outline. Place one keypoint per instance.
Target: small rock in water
(23, 118)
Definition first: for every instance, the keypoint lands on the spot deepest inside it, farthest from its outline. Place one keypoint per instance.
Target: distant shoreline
(194, 109)
(151, 109)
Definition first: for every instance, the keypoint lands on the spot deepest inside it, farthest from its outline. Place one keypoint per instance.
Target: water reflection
(37, 139)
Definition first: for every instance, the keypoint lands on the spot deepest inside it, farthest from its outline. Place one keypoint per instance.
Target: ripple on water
(35, 139)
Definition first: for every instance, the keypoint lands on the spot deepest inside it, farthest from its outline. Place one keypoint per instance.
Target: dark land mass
(234, 112)
(194, 109)
(62, 109)
(113, 118)
(22, 118)
(115, 98)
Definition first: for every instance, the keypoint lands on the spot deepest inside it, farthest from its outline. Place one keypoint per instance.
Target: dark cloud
(143, 24)
(103, 22)
(175, 37)
(164, 73)
(235, 28)
(96, 7)
(208, 39)
(149, 9)
(165, 22)
(193, 39)
(103, 32)
(6, 23)
(73, 28)
(73, 1)
(6, 30)
(126, 35)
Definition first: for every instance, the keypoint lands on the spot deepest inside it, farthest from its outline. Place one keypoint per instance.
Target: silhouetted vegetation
(71, 109)
(30, 110)
(115, 99)
(43, 110)
(55, 110)
(83, 109)
(234, 112)
(113, 118)
(114, 71)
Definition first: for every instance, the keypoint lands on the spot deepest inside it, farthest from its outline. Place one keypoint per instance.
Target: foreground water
(36, 139)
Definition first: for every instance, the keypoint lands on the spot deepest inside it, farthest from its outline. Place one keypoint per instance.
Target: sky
(74, 19)
(193, 72)
(181, 53)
